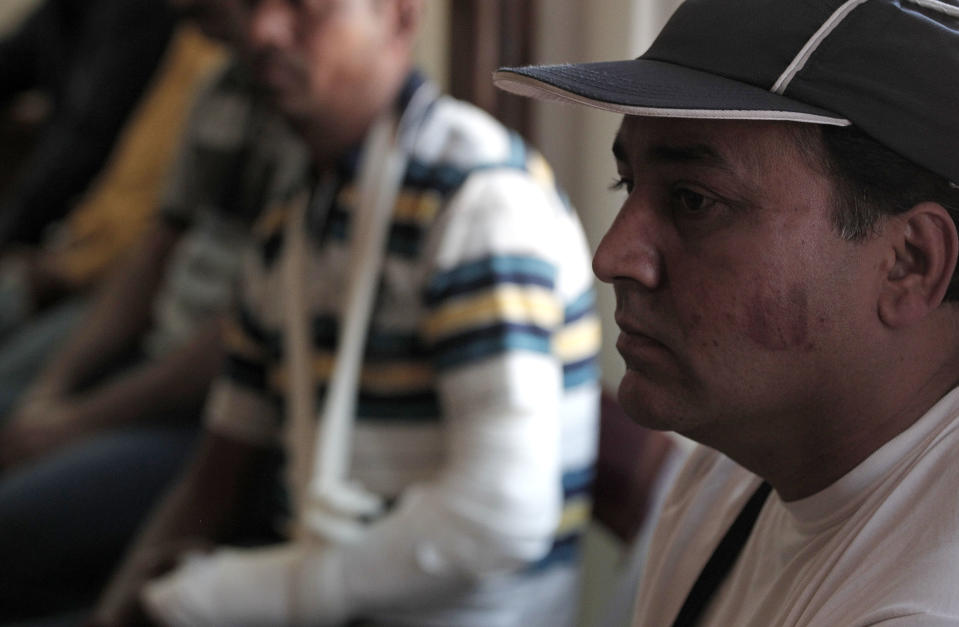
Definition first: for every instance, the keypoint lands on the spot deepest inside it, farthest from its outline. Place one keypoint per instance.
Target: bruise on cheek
(778, 321)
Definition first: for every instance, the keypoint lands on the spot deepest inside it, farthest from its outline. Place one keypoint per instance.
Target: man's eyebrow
(669, 154)
(696, 154)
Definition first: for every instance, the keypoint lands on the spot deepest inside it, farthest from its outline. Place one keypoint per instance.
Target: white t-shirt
(879, 546)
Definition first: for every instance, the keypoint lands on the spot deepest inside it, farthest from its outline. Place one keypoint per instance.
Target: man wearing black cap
(784, 267)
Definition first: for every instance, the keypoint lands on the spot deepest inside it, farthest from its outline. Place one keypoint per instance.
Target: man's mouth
(637, 345)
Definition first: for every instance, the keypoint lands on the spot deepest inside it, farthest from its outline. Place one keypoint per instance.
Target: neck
(327, 145)
(804, 453)
(329, 140)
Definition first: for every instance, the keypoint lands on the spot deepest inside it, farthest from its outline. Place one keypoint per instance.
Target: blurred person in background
(110, 419)
(90, 60)
(46, 281)
(476, 399)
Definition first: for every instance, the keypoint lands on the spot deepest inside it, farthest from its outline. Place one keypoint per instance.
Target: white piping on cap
(814, 42)
(830, 25)
(937, 5)
(523, 85)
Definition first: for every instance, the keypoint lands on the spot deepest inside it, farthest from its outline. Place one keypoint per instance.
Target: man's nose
(271, 24)
(630, 248)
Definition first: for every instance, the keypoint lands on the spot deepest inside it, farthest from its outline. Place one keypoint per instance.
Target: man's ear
(925, 246)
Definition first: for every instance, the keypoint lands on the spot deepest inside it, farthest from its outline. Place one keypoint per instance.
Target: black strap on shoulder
(722, 559)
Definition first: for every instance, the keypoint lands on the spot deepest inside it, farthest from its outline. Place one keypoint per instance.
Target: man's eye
(621, 183)
(690, 202)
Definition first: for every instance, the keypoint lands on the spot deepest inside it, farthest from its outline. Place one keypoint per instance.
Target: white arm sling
(328, 505)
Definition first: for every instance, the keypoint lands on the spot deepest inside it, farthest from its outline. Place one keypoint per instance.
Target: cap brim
(657, 89)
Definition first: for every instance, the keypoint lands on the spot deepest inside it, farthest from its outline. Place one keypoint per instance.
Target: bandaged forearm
(417, 556)
(288, 584)
(420, 554)
(492, 508)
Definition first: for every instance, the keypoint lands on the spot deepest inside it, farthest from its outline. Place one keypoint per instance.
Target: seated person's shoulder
(459, 136)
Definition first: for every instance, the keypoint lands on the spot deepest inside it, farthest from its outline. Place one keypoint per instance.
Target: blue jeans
(66, 520)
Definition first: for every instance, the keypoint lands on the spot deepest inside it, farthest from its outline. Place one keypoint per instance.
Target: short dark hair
(873, 181)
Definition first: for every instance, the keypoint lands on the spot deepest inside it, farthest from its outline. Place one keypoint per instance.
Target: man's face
(738, 303)
(320, 60)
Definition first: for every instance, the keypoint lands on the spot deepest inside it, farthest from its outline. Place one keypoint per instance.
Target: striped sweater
(477, 408)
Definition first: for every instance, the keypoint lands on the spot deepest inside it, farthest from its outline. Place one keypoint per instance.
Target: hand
(120, 605)
(40, 426)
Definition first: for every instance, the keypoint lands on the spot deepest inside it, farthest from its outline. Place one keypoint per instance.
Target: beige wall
(432, 48)
(12, 11)
(577, 141)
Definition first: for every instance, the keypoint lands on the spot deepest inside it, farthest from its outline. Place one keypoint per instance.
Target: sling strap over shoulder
(722, 559)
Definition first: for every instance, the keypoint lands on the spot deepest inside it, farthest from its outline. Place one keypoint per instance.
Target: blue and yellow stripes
(243, 336)
(414, 213)
(491, 306)
(507, 303)
(577, 344)
(479, 344)
(577, 486)
(400, 391)
(248, 350)
(481, 309)
(396, 381)
(426, 188)
(493, 270)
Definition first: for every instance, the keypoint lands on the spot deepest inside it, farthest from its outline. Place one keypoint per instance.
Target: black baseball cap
(889, 67)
